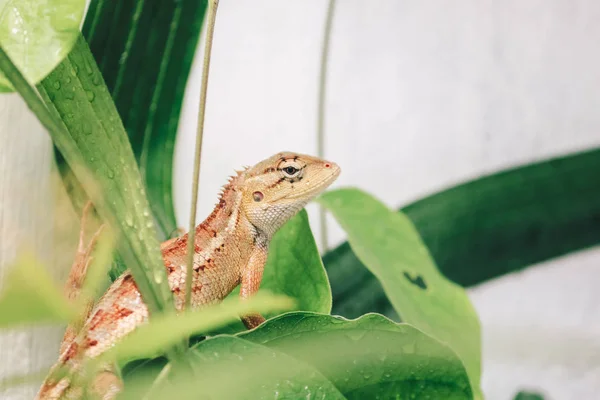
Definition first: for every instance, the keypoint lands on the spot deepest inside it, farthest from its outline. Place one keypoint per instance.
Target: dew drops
(110, 173)
(129, 220)
(86, 128)
(56, 85)
(409, 348)
(158, 277)
(90, 95)
(68, 79)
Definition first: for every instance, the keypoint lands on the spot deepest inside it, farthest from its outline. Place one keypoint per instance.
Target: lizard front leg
(251, 278)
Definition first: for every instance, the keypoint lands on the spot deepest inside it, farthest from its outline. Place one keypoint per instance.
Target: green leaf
(525, 395)
(76, 93)
(38, 34)
(227, 367)
(488, 227)
(30, 296)
(294, 269)
(371, 357)
(389, 245)
(145, 51)
(167, 329)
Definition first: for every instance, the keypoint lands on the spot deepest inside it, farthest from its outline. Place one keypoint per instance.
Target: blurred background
(421, 96)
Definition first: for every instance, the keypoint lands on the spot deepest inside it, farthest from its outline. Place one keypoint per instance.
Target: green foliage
(294, 267)
(37, 35)
(168, 329)
(389, 245)
(75, 92)
(145, 51)
(30, 296)
(488, 227)
(525, 395)
(300, 355)
(227, 367)
(369, 357)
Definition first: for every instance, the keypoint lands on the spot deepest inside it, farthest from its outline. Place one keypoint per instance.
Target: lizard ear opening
(258, 196)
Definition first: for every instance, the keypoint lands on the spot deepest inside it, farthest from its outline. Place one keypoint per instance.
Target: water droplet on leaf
(129, 220)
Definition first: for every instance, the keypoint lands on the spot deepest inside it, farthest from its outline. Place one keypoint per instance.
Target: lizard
(230, 249)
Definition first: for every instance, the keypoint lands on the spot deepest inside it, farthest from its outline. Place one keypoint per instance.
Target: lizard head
(275, 189)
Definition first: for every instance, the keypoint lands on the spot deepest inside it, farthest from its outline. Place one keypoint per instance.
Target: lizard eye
(258, 196)
(290, 170)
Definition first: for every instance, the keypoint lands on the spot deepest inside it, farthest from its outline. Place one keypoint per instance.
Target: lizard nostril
(327, 165)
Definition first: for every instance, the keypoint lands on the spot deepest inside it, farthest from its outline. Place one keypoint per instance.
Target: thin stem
(210, 28)
(321, 109)
(164, 373)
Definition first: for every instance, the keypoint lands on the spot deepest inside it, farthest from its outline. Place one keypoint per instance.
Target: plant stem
(321, 109)
(164, 373)
(210, 28)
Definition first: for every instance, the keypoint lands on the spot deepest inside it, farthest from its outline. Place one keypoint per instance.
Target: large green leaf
(294, 267)
(76, 95)
(227, 367)
(389, 245)
(371, 357)
(38, 34)
(145, 51)
(489, 227)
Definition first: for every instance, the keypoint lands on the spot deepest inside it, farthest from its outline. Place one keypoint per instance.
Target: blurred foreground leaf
(38, 34)
(389, 245)
(167, 329)
(29, 295)
(227, 367)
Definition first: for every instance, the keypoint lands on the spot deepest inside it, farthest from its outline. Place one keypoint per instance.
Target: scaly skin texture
(230, 248)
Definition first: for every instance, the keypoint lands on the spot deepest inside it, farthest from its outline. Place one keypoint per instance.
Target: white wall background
(423, 95)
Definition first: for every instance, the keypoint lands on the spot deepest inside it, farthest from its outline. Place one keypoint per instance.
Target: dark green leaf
(389, 245)
(525, 395)
(145, 51)
(489, 227)
(371, 357)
